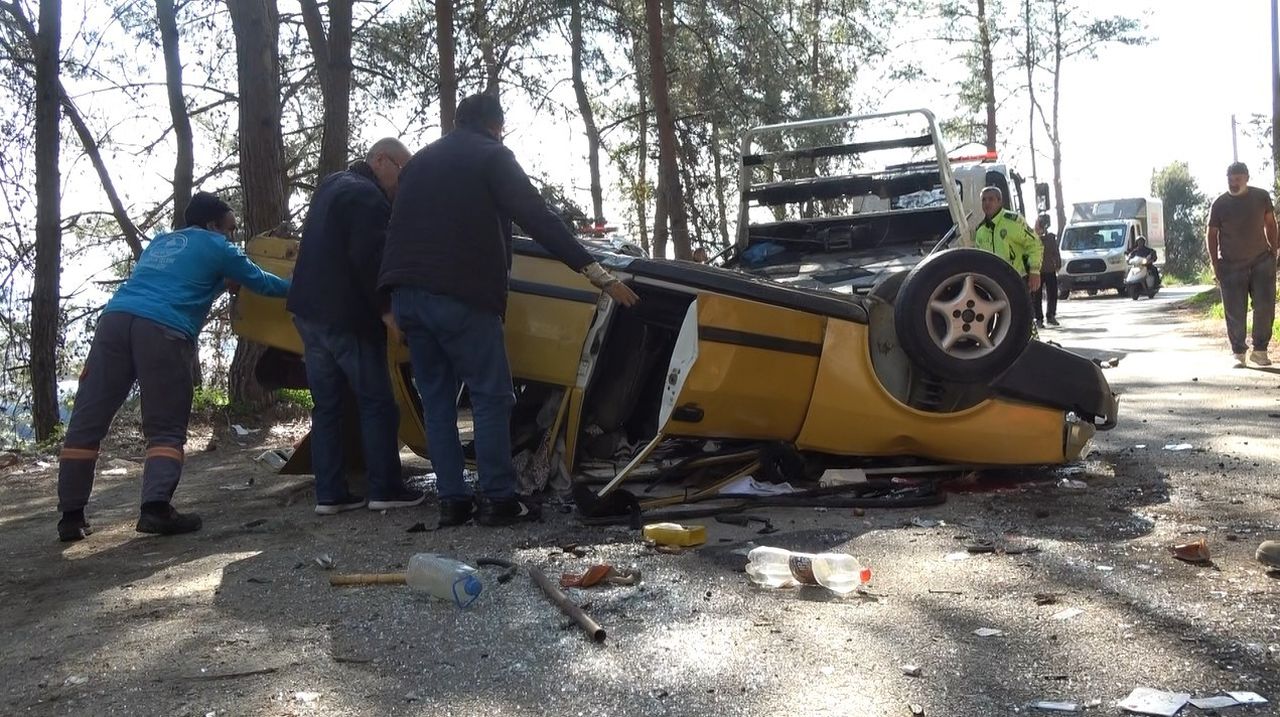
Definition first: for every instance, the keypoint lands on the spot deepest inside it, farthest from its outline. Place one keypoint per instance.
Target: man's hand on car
(621, 293)
(393, 329)
(604, 280)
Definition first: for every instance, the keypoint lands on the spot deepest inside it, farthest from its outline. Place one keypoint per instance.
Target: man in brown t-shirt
(1243, 243)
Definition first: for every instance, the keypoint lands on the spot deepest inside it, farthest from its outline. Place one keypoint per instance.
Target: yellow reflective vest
(1007, 236)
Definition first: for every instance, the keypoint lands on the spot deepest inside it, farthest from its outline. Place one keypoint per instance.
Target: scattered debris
(306, 698)
(748, 485)
(1248, 698)
(417, 528)
(987, 632)
(1146, 701)
(911, 670)
(1053, 706)
(368, 579)
(75, 681)
(8, 460)
(557, 596)
(842, 476)
(916, 710)
(1196, 552)
(1140, 445)
(1104, 568)
(1214, 703)
(326, 561)
(234, 675)
(113, 472)
(927, 522)
(957, 557)
(598, 574)
(1179, 447)
(1046, 599)
(1072, 484)
(1001, 546)
(1066, 614)
(276, 457)
(242, 432)
(675, 535)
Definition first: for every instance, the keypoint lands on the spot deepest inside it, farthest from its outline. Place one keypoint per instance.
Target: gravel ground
(239, 619)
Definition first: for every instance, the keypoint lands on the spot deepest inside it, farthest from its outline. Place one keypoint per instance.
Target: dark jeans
(128, 348)
(1256, 281)
(452, 344)
(1048, 291)
(337, 360)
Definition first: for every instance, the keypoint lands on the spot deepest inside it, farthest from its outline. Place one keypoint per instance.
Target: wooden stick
(567, 606)
(367, 579)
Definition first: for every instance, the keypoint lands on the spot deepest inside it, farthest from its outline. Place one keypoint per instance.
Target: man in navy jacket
(340, 316)
(447, 260)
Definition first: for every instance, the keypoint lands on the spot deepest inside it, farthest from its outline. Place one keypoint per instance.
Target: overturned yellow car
(935, 363)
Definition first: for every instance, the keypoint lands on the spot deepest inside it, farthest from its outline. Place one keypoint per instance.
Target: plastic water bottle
(779, 568)
(444, 578)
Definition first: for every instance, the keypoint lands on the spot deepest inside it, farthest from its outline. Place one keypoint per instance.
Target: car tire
(1064, 294)
(963, 315)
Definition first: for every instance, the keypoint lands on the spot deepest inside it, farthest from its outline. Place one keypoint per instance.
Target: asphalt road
(240, 620)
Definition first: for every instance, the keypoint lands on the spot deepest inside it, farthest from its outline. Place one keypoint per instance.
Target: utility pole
(1235, 153)
(1275, 90)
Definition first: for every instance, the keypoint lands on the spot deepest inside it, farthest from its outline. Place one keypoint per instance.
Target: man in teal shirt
(147, 334)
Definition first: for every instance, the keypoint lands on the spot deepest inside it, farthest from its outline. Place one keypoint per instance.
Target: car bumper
(1105, 280)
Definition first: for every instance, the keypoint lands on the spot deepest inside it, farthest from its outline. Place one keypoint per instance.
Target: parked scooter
(1141, 279)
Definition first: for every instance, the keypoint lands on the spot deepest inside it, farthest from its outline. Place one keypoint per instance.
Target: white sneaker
(1239, 360)
(1260, 358)
(351, 502)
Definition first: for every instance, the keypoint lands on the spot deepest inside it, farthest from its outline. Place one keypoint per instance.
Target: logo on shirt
(165, 249)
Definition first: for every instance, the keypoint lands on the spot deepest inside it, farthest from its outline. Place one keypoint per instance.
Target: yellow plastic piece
(676, 535)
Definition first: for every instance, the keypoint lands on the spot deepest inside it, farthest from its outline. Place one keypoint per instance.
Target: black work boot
(73, 526)
(494, 513)
(455, 512)
(161, 519)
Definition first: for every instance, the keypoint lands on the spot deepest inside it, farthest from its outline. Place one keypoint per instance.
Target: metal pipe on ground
(567, 606)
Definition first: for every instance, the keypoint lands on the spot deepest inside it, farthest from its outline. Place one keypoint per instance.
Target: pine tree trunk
(584, 108)
(44, 299)
(448, 67)
(988, 74)
(1056, 138)
(262, 171)
(484, 35)
(1031, 94)
(184, 165)
(722, 208)
(332, 53)
(668, 169)
(642, 151)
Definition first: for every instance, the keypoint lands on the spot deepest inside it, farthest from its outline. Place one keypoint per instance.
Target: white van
(1099, 237)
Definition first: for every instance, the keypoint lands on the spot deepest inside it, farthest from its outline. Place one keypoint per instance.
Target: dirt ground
(239, 618)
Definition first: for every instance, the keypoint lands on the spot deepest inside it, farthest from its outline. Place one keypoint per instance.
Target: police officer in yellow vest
(1006, 234)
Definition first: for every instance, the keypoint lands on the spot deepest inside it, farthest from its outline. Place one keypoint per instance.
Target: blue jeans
(451, 344)
(336, 360)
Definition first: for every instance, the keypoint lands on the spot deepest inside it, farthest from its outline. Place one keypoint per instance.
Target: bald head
(387, 157)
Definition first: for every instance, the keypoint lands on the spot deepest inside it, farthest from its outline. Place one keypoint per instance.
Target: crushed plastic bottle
(780, 568)
(443, 578)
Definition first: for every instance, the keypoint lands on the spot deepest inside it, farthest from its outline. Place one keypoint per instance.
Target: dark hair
(203, 209)
(1238, 168)
(1043, 221)
(479, 112)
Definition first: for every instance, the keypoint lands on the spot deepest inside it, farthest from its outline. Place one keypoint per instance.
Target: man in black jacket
(340, 316)
(446, 263)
